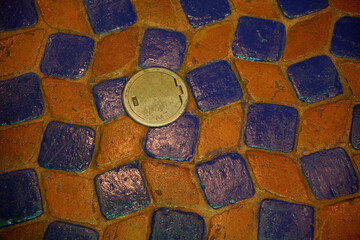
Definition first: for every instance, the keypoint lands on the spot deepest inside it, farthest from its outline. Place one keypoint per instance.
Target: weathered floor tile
(17, 14)
(299, 8)
(63, 230)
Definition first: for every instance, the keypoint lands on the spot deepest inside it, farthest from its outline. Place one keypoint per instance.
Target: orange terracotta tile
(70, 197)
(69, 101)
(212, 43)
(18, 145)
(357, 161)
(323, 126)
(277, 174)
(19, 52)
(351, 73)
(265, 81)
(134, 228)
(115, 51)
(165, 186)
(220, 131)
(121, 140)
(64, 14)
(341, 221)
(258, 8)
(352, 6)
(26, 232)
(307, 37)
(234, 224)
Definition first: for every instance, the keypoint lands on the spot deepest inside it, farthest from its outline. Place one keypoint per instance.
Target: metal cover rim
(143, 77)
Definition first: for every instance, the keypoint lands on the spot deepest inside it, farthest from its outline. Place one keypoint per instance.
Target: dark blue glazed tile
(284, 220)
(175, 224)
(330, 173)
(176, 141)
(272, 127)
(214, 85)
(203, 12)
(63, 231)
(225, 180)
(67, 147)
(162, 48)
(345, 42)
(355, 128)
(15, 14)
(67, 55)
(108, 98)
(20, 198)
(299, 8)
(110, 16)
(121, 191)
(20, 99)
(259, 39)
(315, 79)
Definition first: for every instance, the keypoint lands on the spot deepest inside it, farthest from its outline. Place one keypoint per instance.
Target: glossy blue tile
(110, 16)
(15, 14)
(225, 180)
(67, 55)
(315, 79)
(21, 99)
(355, 128)
(63, 231)
(330, 173)
(121, 191)
(176, 224)
(162, 48)
(67, 147)
(284, 220)
(203, 12)
(20, 198)
(214, 85)
(299, 8)
(176, 141)
(259, 39)
(345, 42)
(108, 98)
(272, 127)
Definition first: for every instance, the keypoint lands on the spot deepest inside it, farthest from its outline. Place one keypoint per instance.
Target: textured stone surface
(330, 173)
(175, 141)
(351, 74)
(26, 232)
(352, 6)
(225, 180)
(355, 128)
(315, 79)
(64, 230)
(67, 147)
(214, 85)
(20, 197)
(121, 191)
(272, 127)
(17, 14)
(283, 220)
(257, 8)
(67, 55)
(21, 99)
(259, 39)
(299, 8)
(175, 224)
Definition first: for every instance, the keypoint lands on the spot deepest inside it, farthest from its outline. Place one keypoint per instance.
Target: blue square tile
(272, 127)
(176, 141)
(67, 55)
(162, 48)
(20, 198)
(259, 39)
(225, 180)
(15, 14)
(299, 8)
(330, 174)
(67, 147)
(214, 85)
(345, 42)
(355, 128)
(121, 191)
(21, 99)
(110, 16)
(108, 98)
(315, 79)
(176, 224)
(203, 12)
(284, 220)
(63, 230)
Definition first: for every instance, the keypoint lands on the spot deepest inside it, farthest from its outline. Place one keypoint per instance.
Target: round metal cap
(155, 97)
